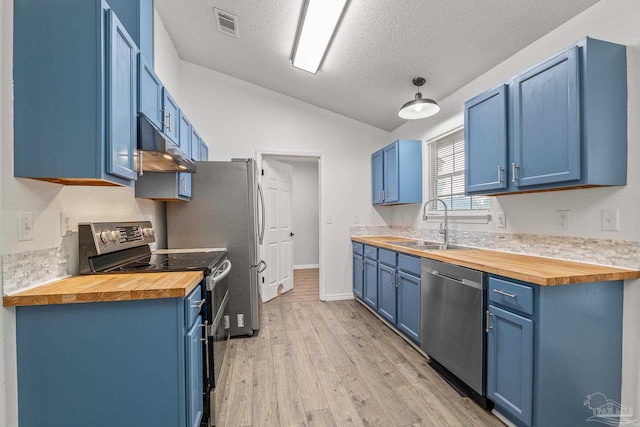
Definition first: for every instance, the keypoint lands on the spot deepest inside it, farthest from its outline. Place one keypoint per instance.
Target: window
(447, 175)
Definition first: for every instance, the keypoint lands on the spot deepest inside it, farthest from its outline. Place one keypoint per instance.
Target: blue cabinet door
(121, 112)
(358, 275)
(377, 177)
(510, 363)
(149, 93)
(184, 134)
(204, 151)
(546, 122)
(196, 143)
(193, 357)
(184, 184)
(485, 139)
(387, 292)
(391, 173)
(171, 116)
(371, 283)
(409, 305)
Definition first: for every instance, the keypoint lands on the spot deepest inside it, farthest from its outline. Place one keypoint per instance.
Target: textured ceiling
(379, 47)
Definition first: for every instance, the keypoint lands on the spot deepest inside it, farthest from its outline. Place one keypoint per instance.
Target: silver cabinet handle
(397, 281)
(140, 172)
(170, 126)
(199, 305)
(500, 169)
(488, 326)
(506, 294)
(514, 176)
(382, 195)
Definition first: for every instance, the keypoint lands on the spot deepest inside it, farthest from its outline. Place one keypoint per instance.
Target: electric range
(123, 247)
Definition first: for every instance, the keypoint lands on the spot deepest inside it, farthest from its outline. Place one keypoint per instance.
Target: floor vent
(227, 23)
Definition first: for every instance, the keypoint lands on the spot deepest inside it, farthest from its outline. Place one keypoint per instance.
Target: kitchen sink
(427, 245)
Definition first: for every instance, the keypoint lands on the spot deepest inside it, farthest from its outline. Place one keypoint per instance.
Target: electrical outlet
(240, 320)
(501, 220)
(610, 219)
(563, 220)
(329, 219)
(356, 219)
(402, 218)
(25, 226)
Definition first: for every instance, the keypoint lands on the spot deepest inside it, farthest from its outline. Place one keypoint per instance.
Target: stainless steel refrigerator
(226, 210)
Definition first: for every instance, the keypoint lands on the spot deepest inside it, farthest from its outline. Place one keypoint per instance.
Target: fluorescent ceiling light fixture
(420, 107)
(321, 18)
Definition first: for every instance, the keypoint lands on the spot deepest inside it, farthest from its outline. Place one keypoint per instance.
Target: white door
(277, 246)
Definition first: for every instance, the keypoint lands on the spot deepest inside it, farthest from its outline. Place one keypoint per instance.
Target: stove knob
(117, 235)
(148, 232)
(108, 236)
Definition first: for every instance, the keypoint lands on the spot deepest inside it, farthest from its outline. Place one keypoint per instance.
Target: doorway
(302, 236)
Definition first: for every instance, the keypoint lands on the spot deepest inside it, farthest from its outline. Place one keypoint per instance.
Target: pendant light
(420, 107)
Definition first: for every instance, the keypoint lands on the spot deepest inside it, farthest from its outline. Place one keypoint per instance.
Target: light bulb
(419, 107)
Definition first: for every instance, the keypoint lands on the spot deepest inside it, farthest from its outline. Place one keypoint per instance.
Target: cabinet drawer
(192, 306)
(358, 248)
(409, 264)
(509, 294)
(387, 257)
(370, 252)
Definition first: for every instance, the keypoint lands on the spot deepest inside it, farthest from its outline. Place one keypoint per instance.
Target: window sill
(462, 217)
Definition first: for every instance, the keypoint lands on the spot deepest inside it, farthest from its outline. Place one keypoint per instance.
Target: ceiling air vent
(227, 23)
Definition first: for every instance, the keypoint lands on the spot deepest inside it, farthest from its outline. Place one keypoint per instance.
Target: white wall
(306, 198)
(611, 20)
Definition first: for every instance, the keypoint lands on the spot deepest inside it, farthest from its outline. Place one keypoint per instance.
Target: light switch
(25, 226)
(329, 219)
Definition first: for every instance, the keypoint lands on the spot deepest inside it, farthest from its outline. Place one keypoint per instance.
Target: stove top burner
(183, 261)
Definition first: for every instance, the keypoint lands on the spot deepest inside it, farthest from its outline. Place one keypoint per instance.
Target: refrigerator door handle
(261, 231)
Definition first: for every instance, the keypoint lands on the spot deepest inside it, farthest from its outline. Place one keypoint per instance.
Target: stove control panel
(114, 236)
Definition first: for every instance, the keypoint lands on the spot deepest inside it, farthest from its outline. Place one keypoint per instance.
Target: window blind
(447, 175)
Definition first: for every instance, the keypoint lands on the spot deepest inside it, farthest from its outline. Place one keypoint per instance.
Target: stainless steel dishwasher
(452, 324)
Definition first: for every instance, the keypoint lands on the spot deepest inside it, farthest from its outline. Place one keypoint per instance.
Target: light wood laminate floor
(335, 364)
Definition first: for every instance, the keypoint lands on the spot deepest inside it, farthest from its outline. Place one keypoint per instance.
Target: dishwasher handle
(465, 282)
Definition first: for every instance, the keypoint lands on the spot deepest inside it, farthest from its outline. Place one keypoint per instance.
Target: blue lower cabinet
(358, 275)
(551, 347)
(370, 294)
(510, 363)
(387, 300)
(125, 363)
(409, 305)
(195, 403)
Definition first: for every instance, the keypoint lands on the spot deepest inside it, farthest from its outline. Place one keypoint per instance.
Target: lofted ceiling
(379, 47)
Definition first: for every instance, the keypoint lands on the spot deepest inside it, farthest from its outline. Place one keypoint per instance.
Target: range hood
(156, 153)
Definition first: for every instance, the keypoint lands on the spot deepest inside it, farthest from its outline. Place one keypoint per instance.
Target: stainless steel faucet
(444, 226)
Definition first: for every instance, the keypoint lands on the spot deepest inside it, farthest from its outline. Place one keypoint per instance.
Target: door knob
(291, 234)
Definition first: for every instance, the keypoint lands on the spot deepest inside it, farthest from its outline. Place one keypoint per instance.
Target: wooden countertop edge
(606, 274)
(83, 296)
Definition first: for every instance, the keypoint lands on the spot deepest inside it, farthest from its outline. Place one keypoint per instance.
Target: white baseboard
(338, 297)
(305, 266)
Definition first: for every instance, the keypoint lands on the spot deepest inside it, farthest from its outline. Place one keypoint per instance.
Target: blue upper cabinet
(204, 151)
(150, 90)
(377, 178)
(485, 135)
(121, 89)
(73, 123)
(566, 124)
(546, 122)
(184, 134)
(196, 143)
(396, 172)
(171, 119)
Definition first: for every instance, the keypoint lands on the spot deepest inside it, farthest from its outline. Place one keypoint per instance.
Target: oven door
(219, 339)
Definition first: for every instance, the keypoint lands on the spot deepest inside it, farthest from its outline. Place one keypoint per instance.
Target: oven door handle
(220, 273)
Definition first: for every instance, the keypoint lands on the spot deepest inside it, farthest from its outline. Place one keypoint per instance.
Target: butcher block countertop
(108, 287)
(538, 270)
